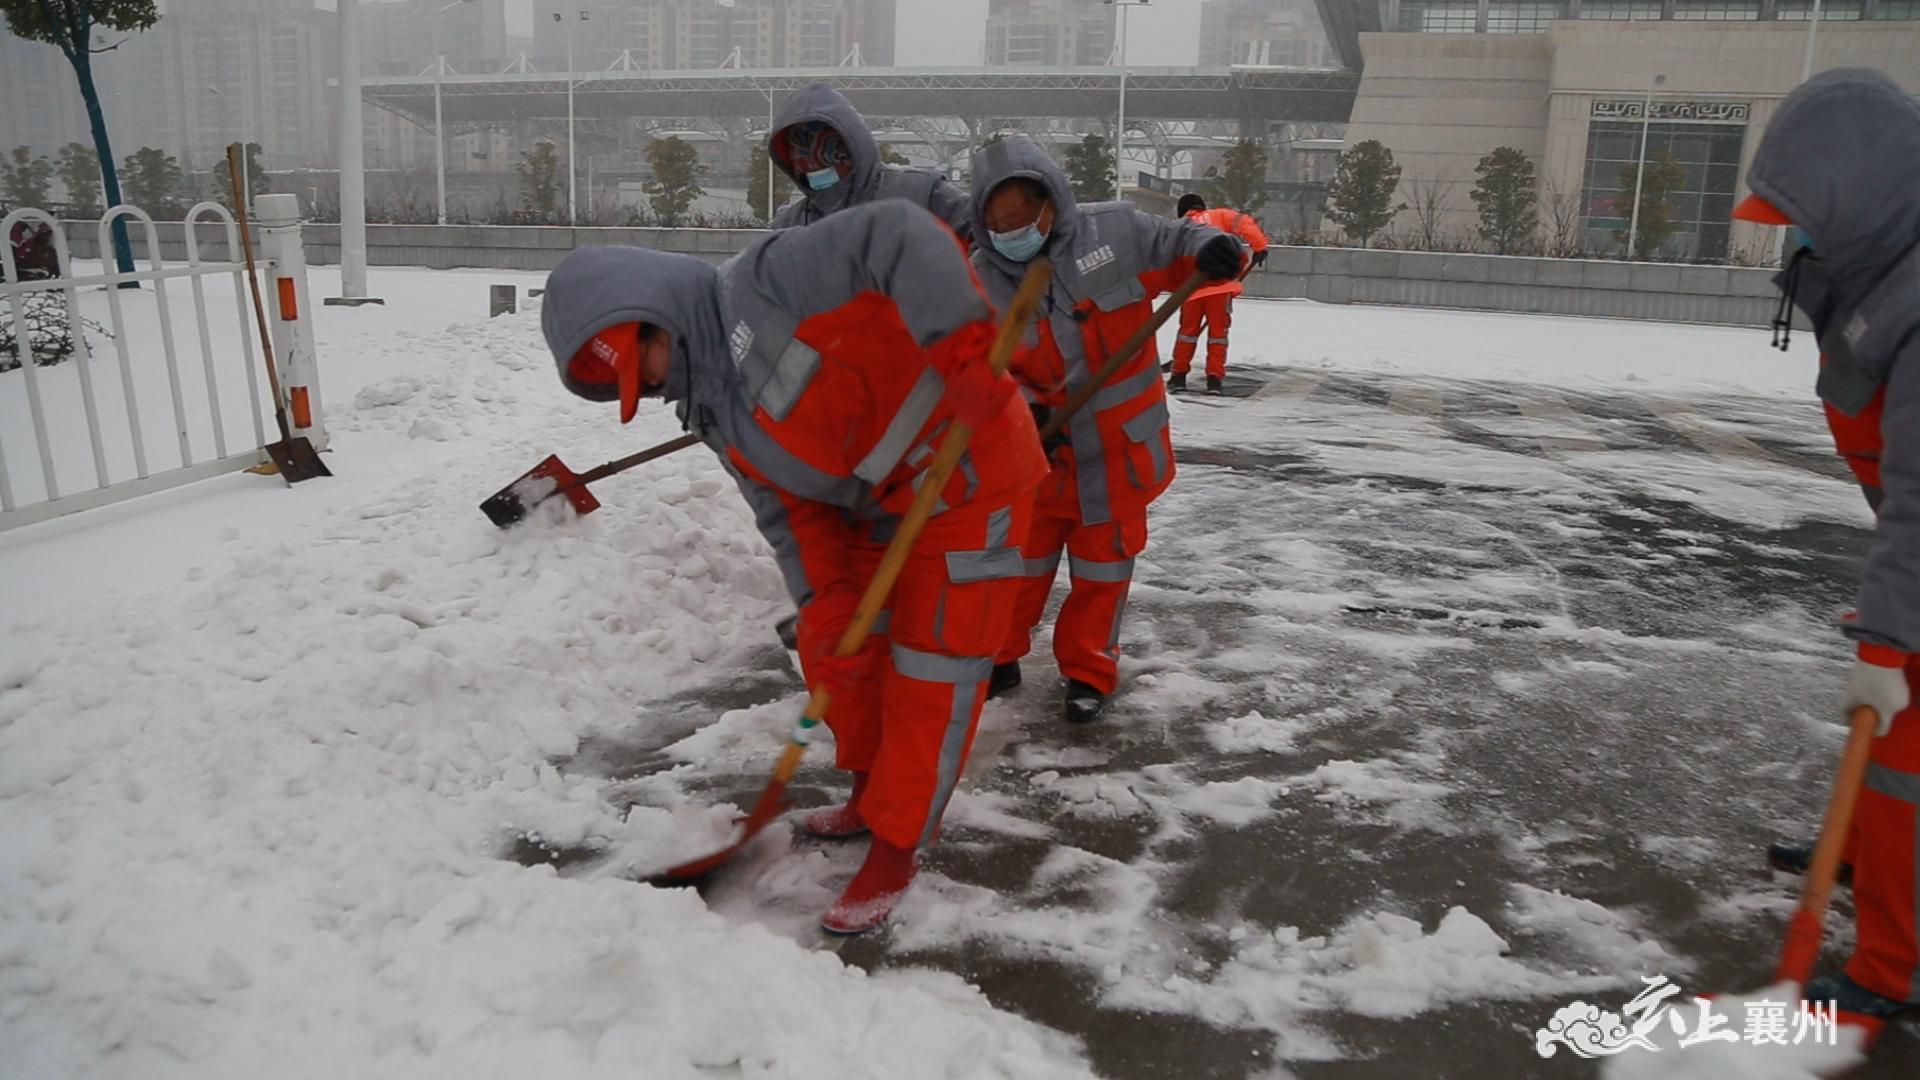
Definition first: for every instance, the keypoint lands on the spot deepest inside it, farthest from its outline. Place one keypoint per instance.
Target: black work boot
(1796, 857)
(1176, 382)
(1004, 678)
(1849, 996)
(1215, 386)
(1084, 703)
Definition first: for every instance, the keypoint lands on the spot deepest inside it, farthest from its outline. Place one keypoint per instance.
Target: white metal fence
(75, 435)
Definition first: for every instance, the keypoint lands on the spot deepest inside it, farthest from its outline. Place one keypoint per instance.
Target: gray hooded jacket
(1098, 252)
(734, 349)
(1841, 159)
(872, 178)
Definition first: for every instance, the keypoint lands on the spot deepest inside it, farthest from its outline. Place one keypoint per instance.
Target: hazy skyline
(950, 33)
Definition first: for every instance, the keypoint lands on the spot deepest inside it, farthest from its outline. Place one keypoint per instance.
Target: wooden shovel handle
(253, 286)
(620, 465)
(1118, 360)
(1026, 303)
(1020, 312)
(1803, 932)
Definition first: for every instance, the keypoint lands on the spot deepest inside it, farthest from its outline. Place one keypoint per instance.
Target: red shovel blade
(773, 803)
(511, 504)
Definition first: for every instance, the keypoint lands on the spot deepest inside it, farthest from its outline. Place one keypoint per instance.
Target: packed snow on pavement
(1472, 660)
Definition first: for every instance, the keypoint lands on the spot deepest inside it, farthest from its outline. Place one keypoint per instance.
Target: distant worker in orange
(1212, 305)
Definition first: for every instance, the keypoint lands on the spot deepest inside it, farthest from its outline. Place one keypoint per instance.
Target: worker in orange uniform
(1838, 162)
(1212, 305)
(824, 365)
(824, 145)
(1115, 457)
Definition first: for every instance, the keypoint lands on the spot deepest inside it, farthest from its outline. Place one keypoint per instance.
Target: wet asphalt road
(1622, 695)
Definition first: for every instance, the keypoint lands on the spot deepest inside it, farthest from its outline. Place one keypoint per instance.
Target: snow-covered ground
(1472, 659)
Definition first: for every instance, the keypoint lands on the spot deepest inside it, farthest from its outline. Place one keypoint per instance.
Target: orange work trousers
(909, 723)
(1086, 636)
(1216, 312)
(1885, 851)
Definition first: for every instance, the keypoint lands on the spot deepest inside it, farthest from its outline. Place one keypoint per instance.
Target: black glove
(1260, 257)
(1042, 414)
(1219, 258)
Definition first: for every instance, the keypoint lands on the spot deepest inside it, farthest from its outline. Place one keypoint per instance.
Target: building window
(1522, 18)
(1837, 11)
(1440, 17)
(1896, 9)
(1716, 10)
(1620, 10)
(1700, 206)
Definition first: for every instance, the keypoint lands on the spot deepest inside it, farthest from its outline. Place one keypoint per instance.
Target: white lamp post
(771, 208)
(1120, 126)
(439, 128)
(1813, 27)
(1646, 121)
(571, 171)
(353, 179)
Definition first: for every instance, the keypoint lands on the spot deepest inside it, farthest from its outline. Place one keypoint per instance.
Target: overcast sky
(945, 32)
(950, 32)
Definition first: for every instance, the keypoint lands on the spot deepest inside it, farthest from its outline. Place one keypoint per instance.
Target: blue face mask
(822, 179)
(1020, 245)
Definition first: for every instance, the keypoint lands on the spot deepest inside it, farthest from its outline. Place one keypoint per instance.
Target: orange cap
(1754, 208)
(612, 358)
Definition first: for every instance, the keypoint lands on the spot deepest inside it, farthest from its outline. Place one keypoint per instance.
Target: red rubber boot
(870, 896)
(839, 822)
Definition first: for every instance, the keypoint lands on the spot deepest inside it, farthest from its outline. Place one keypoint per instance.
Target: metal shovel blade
(297, 459)
(511, 504)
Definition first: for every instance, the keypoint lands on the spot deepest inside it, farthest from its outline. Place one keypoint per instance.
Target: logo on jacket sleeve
(1094, 260)
(740, 341)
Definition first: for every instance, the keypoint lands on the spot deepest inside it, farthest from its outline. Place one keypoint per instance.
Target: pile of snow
(1380, 964)
(257, 799)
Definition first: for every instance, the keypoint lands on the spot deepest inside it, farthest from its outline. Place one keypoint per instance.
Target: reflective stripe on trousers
(1886, 853)
(965, 674)
(909, 721)
(1086, 634)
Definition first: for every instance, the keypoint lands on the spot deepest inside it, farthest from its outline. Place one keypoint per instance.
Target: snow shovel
(295, 458)
(1804, 929)
(552, 479)
(773, 800)
(1167, 309)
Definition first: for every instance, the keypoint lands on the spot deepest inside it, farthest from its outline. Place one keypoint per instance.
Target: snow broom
(295, 457)
(773, 800)
(1797, 956)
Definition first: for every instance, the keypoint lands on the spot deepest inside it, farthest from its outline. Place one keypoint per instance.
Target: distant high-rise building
(1281, 33)
(703, 34)
(875, 23)
(403, 37)
(43, 109)
(212, 72)
(813, 33)
(602, 31)
(208, 73)
(1054, 33)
